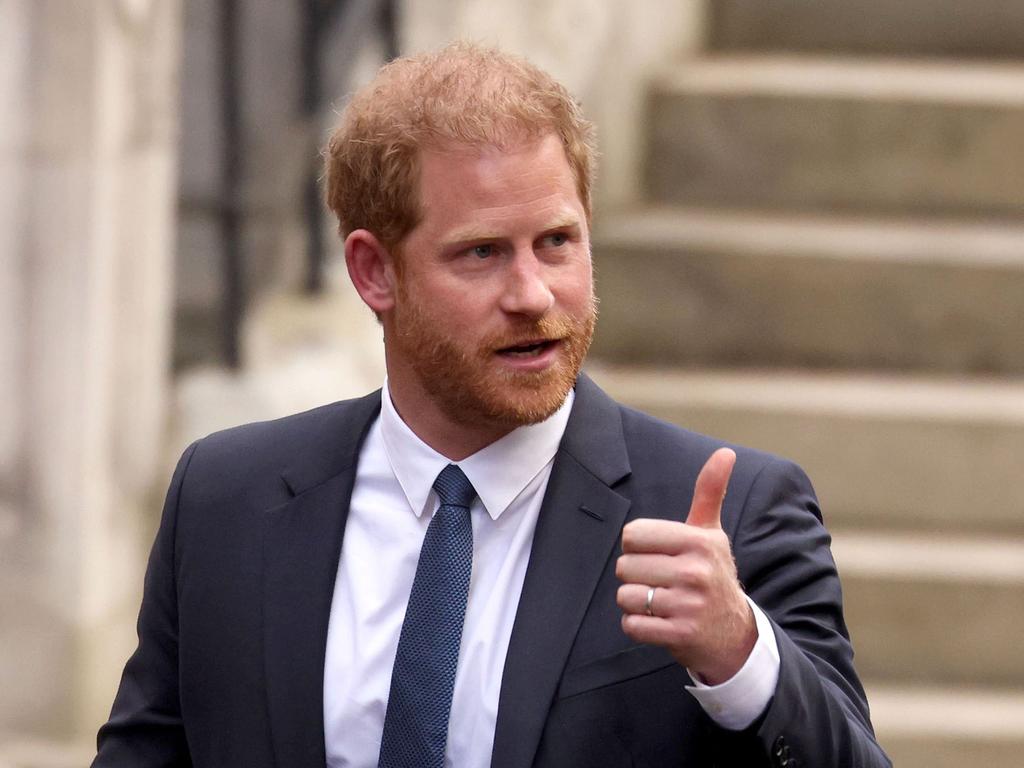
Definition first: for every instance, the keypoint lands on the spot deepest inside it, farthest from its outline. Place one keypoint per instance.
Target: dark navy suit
(233, 626)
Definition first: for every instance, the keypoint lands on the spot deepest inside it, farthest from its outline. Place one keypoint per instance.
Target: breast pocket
(634, 662)
(627, 709)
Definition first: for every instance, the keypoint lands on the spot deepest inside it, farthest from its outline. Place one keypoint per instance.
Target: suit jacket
(233, 624)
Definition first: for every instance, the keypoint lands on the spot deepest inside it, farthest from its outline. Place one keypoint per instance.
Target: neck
(453, 440)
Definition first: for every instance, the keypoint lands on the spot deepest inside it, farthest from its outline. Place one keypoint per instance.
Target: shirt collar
(499, 472)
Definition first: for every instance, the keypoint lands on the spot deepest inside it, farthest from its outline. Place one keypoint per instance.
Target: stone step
(36, 752)
(896, 453)
(979, 28)
(729, 288)
(949, 727)
(839, 134)
(934, 609)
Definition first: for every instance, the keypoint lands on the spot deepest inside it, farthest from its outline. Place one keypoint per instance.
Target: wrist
(734, 655)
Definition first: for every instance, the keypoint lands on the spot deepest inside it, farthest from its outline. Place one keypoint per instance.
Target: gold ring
(648, 606)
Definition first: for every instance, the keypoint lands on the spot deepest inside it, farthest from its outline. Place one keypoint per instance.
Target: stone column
(87, 178)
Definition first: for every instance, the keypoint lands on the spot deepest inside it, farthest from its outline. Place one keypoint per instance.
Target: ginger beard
(466, 380)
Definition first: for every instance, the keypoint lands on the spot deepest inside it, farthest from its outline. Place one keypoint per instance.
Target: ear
(371, 269)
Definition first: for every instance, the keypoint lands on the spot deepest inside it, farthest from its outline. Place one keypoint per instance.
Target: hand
(699, 611)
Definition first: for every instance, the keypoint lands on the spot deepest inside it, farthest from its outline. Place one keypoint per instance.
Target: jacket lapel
(579, 525)
(301, 547)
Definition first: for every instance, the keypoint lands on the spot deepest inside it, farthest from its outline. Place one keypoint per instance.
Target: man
(488, 561)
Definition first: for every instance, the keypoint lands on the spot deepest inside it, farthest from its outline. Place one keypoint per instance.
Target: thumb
(709, 491)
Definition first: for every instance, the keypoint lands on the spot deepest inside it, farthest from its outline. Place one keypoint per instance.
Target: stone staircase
(830, 265)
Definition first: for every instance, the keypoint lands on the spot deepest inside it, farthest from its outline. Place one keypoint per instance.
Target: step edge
(948, 558)
(998, 402)
(925, 241)
(877, 78)
(899, 711)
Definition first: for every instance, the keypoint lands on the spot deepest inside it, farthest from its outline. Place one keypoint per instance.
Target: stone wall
(87, 175)
(89, 191)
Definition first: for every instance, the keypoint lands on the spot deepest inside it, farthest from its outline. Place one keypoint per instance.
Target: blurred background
(809, 239)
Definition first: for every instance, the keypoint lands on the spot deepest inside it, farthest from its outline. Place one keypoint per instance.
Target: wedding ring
(648, 605)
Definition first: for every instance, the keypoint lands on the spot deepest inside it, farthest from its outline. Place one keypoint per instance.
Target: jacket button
(780, 751)
(779, 747)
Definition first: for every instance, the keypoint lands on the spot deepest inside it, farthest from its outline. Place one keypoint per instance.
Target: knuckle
(719, 540)
(620, 596)
(704, 542)
(693, 572)
(698, 611)
(684, 631)
(629, 625)
(680, 571)
(703, 572)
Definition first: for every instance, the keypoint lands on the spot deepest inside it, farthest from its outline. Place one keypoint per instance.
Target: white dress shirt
(392, 503)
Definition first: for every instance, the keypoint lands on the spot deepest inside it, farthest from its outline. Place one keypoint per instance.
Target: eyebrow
(473, 233)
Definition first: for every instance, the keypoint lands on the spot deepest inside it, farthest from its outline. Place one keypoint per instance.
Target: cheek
(576, 289)
(463, 316)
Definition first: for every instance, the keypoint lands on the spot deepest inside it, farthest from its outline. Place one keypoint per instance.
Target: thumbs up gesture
(679, 586)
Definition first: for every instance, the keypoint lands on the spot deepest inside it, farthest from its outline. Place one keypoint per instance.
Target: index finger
(653, 536)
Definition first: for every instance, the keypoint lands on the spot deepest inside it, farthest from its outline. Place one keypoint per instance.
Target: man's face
(495, 309)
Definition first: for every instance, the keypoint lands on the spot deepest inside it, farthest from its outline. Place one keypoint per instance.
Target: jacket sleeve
(145, 728)
(819, 713)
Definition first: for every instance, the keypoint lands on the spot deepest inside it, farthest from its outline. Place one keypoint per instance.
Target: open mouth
(528, 349)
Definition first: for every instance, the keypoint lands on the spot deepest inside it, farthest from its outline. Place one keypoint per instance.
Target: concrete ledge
(936, 610)
(828, 134)
(948, 727)
(741, 288)
(996, 84)
(981, 28)
(894, 453)
(39, 753)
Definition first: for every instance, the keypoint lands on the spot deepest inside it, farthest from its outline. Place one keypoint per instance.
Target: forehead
(460, 184)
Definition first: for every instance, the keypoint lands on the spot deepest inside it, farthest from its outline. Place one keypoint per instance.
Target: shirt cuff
(741, 699)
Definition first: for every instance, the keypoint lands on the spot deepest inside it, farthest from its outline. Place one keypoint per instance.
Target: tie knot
(453, 487)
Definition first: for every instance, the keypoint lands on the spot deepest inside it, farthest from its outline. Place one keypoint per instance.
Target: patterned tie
(416, 723)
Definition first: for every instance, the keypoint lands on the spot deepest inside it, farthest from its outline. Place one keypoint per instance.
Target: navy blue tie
(416, 723)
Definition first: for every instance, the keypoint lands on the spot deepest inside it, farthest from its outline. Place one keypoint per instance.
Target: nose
(526, 291)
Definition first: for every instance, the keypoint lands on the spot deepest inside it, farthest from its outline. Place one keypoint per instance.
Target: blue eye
(483, 251)
(558, 239)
